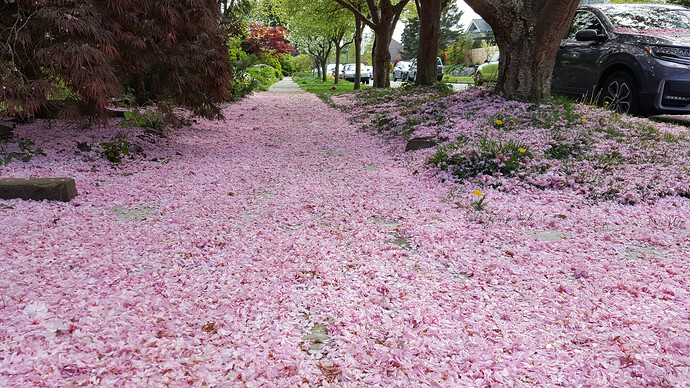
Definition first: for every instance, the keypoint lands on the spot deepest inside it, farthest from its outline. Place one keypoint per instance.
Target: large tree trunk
(359, 29)
(528, 34)
(381, 56)
(336, 74)
(429, 34)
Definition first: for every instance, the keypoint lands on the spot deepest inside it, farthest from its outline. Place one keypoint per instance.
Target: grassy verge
(448, 78)
(482, 140)
(325, 89)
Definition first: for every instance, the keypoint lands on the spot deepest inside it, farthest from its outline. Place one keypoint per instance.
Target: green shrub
(115, 150)
(286, 65)
(26, 152)
(146, 119)
(488, 157)
(269, 60)
(302, 63)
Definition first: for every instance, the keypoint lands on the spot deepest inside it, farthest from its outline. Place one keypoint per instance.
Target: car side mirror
(589, 35)
(486, 61)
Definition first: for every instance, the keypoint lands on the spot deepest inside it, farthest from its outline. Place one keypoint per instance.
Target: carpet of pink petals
(213, 257)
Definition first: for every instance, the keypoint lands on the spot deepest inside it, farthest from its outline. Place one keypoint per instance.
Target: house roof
(479, 25)
(395, 48)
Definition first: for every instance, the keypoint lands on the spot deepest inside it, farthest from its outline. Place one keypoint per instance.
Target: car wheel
(619, 93)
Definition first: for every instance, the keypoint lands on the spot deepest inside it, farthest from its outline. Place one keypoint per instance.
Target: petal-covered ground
(287, 247)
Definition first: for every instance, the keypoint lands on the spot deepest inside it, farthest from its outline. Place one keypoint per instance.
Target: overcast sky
(467, 16)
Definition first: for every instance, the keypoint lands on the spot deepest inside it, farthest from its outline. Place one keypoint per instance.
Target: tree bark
(381, 55)
(383, 18)
(429, 35)
(359, 29)
(338, 49)
(339, 43)
(528, 34)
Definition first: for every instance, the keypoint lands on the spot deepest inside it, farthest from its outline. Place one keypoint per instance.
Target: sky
(467, 15)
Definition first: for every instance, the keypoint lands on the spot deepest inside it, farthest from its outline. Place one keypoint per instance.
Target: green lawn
(448, 78)
(324, 89)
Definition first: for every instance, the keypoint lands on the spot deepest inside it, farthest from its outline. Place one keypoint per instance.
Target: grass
(467, 80)
(325, 89)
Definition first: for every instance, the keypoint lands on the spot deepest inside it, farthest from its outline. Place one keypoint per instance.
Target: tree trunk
(383, 18)
(336, 74)
(359, 29)
(381, 56)
(429, 34)
(324, 69)
(139, 88)
(528, 34)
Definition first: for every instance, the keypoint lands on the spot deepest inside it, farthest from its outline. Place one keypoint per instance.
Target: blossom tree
(527, 33)
(324, 19)
(381, 16)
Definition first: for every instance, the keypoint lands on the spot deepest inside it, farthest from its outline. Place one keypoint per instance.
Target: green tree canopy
(450, 30)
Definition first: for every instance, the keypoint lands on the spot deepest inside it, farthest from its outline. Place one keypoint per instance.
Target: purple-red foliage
(173, 51)
(268, 40)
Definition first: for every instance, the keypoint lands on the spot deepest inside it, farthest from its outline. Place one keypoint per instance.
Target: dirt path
(285, 247)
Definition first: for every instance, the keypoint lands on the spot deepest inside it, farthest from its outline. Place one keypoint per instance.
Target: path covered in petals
(287, 247)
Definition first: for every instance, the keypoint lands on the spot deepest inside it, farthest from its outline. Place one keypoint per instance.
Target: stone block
(419, 143)
(53, 189)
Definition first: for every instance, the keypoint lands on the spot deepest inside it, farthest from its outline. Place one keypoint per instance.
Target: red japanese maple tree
(268, 40)
(161, 50)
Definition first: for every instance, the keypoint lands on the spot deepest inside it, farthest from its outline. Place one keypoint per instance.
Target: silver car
(349, 71)
(412, 72)
(400, 70)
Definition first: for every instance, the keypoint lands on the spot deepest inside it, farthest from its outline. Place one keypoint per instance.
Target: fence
(479, 55)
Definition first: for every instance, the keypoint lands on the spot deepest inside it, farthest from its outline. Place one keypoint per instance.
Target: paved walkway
(286, 85)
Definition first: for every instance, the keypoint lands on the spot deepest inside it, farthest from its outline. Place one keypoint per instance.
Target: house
(395, 48)
(478, 29)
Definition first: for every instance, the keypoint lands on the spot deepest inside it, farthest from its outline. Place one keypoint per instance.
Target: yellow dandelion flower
(499, 122)
(512, 121)
(584, 121)
(606, 102)
(503, 108)
(477, 192)
(522, 150)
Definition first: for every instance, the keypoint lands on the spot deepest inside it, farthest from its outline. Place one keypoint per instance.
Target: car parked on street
(412, 71)
(348, 73)
(488, 71)
(635, 57)
(630, 57)
(400, 70)
(331, 70)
